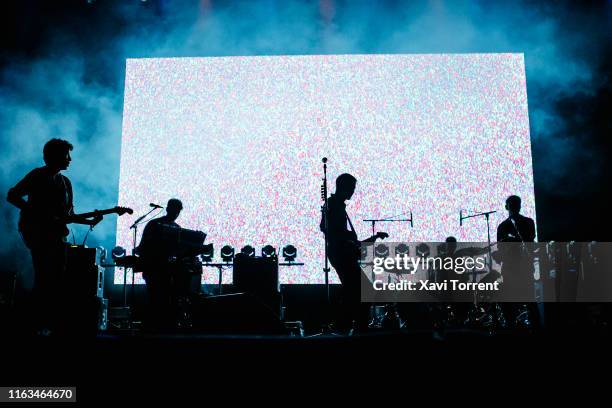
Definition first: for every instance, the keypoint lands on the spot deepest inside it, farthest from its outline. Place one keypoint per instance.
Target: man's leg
(158, 289)
(358, 313)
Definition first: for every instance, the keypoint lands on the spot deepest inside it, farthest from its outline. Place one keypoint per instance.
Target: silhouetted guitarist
(343, 249)
(42, 223)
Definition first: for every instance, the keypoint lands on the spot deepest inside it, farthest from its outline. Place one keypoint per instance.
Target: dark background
(62, 71)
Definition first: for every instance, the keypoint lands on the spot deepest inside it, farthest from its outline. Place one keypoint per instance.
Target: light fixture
(118, 252)
(227, 253)
(402, 249)
(422, 250)
(208, 253)
(381, 251)
(248, 250)
(268, 251)
(289, 253)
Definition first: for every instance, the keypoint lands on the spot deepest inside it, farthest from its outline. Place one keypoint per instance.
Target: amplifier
(83, 277)
(256, 275)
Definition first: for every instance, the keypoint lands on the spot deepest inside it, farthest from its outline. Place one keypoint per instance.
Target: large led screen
(240, 141)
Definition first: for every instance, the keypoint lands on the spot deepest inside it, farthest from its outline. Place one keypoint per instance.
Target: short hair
(513, 201)
(174, 203)
(344, 180)
(55, 149)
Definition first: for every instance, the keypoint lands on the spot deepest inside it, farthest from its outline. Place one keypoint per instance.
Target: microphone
(324, 160)
(461, 218)
(155, 205)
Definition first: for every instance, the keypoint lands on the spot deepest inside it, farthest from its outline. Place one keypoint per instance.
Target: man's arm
(77, 218)
(336, 224)
(500, 233)
(23, 188)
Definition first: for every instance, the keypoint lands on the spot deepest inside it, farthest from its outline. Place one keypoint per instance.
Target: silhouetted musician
(517, 264)
(343, 250)
(43, 226)
(167, 269)
(517, 227)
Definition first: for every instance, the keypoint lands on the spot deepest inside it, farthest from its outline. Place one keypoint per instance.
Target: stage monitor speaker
(256, 275)
(84, 278)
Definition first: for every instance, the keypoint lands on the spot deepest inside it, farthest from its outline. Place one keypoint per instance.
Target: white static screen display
(240, 141)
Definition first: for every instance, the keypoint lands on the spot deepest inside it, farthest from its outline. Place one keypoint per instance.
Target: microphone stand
(390, 219)
(134, 227)
(391, 308)
(324, 211)
(219, 266)
(486, 215)
(326, 329)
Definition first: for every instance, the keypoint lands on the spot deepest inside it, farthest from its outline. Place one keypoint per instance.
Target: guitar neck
(97, 212)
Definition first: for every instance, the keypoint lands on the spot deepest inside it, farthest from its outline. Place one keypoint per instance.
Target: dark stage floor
(144, 366)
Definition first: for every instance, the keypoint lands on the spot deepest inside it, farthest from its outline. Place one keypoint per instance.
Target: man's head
(451, 245)
(56, 154)
(513, 204)
(345, 186)
(173, 208)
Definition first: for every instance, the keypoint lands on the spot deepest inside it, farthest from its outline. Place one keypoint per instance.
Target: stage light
(118, 252)
(381, 251)
(402, 249)
(227, 253)
(289, 253)
(248, 250)
(208, 253)
(422, 250)
(268, 251)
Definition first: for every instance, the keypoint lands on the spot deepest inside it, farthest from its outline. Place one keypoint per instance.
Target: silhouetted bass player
(343, 250)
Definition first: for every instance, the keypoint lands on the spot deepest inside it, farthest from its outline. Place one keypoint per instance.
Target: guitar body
(346, 251)
(37, 231)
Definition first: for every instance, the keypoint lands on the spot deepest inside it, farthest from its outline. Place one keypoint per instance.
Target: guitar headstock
(123, 210)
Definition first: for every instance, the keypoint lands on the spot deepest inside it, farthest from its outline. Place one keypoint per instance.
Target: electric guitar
(38, 229)
(353, 245)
